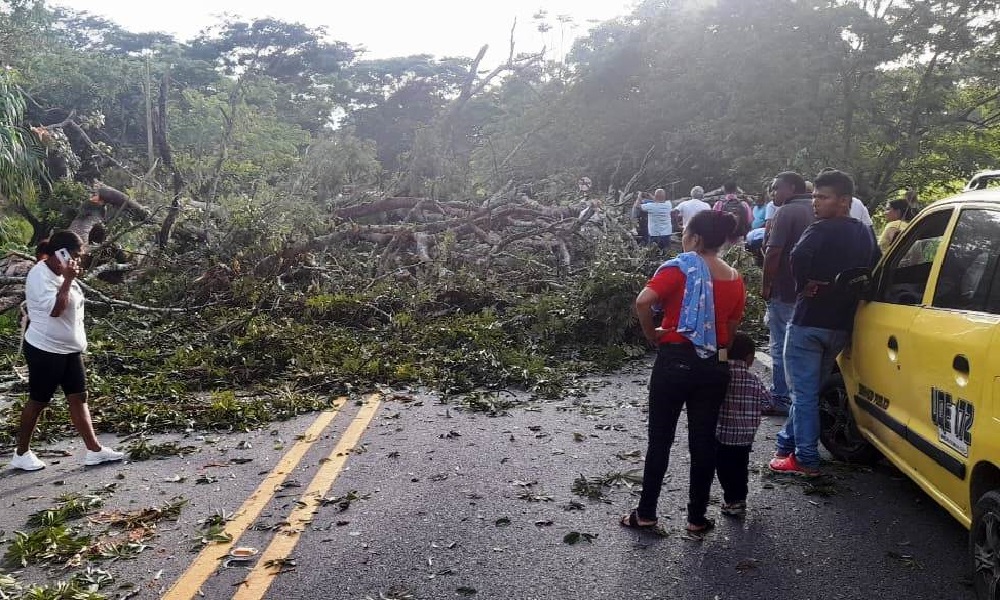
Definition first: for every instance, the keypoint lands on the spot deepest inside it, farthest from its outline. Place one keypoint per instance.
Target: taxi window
(907, 270)
(970, 261)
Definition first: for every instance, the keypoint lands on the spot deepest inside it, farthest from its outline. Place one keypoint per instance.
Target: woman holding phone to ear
(54, 343)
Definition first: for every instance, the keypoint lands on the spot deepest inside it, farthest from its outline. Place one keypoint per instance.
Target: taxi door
(883, 356)
(951, 390)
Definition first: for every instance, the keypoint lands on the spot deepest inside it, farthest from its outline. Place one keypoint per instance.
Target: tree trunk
(94, 211)
(160, 129)
(166, 155)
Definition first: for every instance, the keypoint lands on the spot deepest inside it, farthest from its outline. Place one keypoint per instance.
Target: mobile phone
(64, 256)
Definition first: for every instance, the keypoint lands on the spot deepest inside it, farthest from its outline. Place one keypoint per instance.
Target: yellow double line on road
(189, 584)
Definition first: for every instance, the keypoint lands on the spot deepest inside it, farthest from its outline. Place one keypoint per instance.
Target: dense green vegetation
(335, 222)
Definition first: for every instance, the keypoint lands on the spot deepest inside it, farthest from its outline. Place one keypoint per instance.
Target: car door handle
(893, 343)
(960, 364)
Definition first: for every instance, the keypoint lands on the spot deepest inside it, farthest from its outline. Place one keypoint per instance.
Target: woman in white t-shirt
(54, 343)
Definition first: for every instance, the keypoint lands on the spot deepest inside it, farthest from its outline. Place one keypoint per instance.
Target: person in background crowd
(703, 300)
(641, 218)
(738, 423)
(860, 212)
(732, 204)
(769, 211)
(794, 215)
(759, 212)
(54, 343)
(898, 215)
(755, 238)
(658, 211)
(823, 316)
(692, 206)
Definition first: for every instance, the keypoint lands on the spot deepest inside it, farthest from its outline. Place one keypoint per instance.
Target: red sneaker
(791, 466)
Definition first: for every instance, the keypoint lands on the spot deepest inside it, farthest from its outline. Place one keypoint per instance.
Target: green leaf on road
(573, 537)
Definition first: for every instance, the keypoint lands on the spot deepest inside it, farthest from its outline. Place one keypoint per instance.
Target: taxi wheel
(838, 431)
(984, 545)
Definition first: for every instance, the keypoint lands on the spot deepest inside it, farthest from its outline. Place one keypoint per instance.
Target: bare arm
(644, 310)
(69, 272)
(636, 210)
(760, 392)
(736, 318)
(776, 240)
(772, 261)
(733, 326)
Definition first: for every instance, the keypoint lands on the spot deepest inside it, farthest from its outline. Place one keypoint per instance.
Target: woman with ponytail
(54, 343)
(703, 300)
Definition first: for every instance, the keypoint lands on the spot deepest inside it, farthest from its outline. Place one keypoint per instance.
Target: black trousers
(732, 467)
(48, 371)
(680, 378)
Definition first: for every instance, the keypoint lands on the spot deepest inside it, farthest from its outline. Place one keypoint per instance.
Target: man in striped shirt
(739, 419)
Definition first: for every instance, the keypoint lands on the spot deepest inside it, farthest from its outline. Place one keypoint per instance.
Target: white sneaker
(103, 455)
(26, 462)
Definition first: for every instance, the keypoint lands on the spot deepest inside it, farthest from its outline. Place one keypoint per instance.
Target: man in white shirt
(860, 212)
(659, 226)
(692, 206)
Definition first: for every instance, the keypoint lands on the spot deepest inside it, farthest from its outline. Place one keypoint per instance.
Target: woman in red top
(688, 370)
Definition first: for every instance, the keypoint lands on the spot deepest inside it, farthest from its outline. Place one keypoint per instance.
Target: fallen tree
(235, 309)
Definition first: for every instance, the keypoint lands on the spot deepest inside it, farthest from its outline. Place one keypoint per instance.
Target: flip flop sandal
(699, 532)
(736, 509)
(631, 521)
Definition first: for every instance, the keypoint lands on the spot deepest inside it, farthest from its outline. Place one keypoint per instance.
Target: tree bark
(160, 129)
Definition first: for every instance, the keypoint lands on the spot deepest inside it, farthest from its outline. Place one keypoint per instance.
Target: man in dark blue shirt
(823, 314)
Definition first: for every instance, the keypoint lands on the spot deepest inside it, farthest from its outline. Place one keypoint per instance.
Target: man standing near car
(823, 315)
(794, 215)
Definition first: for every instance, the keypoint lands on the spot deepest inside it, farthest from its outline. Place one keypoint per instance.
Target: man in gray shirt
(794, 215)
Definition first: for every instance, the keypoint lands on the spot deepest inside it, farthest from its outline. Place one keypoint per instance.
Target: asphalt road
(443, 503)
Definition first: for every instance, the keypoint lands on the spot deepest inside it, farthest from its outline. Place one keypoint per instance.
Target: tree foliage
(287, 183)
(746, 88)
(21, 158)
(900, 93)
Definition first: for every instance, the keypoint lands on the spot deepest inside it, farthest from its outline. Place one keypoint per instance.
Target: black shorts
(48, 371)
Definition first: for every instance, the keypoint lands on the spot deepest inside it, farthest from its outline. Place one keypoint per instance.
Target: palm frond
(22, 158)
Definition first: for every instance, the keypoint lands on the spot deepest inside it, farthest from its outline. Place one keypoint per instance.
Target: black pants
(48, 371)
(661, 241)
(681, 378)
(732, 466)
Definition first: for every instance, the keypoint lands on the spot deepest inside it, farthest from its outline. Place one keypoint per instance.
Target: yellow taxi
(920, 381)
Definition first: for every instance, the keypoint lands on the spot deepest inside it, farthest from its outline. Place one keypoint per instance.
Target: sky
(384, 27)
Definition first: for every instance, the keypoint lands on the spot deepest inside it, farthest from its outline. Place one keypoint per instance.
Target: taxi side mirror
(856, 281)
